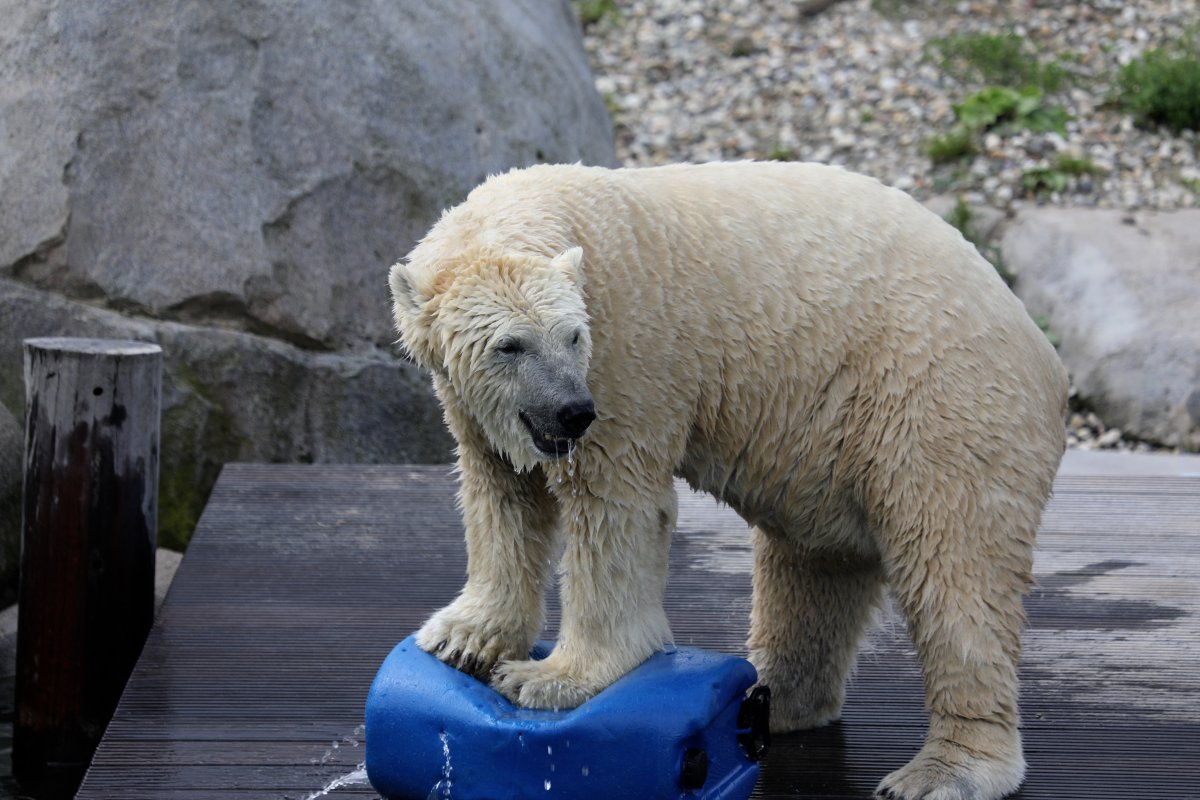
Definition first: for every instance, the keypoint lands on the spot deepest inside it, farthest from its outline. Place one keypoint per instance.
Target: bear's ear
(404, 293)
(570, 262)
(413, 320)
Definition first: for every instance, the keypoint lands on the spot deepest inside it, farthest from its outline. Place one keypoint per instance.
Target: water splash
(441, 789)
(354, 740)
(355, 778)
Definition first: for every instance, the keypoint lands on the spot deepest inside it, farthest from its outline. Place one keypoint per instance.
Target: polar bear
(816, 350)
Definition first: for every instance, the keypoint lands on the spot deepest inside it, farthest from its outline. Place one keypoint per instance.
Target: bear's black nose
(575, 417)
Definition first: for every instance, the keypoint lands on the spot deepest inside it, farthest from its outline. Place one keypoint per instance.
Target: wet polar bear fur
(818, 351)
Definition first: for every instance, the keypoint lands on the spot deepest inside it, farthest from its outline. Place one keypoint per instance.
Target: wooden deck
(301, 578)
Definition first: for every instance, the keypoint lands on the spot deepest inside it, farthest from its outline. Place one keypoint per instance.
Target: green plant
(613, 105)
(962, 218)
(781, 153)
(1057, 178)
(1076, 165)
(995, 59)
(893, 8)
(1044, 326)
(999, 107)
(958, 143)
(1044, 180)
(742, 46)
(1163, 86)
(593, 11)
(996, 108)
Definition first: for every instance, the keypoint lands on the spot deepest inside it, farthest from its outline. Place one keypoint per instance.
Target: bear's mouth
(546, 443)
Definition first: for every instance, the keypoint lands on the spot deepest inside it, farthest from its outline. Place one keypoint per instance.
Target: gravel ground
(702, 80)
(854, 84)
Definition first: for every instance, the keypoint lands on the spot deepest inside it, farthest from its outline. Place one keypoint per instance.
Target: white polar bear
(818, 351)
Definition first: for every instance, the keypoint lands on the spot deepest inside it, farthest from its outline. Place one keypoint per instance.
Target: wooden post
(88, 532)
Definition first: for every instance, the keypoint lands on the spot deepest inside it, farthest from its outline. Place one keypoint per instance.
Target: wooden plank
(301, 578)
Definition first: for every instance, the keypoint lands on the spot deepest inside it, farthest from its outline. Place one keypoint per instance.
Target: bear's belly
(798, 503)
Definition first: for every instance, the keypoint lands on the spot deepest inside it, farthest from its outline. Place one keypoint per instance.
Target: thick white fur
(820, 352)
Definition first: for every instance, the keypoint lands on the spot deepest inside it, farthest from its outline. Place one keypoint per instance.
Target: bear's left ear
(570, 262)
(404, 294)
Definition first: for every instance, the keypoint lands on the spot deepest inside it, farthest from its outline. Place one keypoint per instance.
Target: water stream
(356, 777)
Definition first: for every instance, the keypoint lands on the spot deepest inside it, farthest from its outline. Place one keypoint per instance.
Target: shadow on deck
(300, 579)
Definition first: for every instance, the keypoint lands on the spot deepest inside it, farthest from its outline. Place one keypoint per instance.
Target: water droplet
(547, 784)
(584, 771)
(549, 750)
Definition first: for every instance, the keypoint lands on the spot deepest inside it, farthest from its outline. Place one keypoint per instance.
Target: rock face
(234, 178)
(1123, 292)
(233, 396)
(12, 447)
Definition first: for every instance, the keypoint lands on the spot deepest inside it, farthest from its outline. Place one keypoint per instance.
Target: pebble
(702, 80)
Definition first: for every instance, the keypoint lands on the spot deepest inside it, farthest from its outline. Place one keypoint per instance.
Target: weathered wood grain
(301, 578)
(87, 550)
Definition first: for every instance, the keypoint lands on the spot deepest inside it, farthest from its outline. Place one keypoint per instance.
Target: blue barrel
(678, 726)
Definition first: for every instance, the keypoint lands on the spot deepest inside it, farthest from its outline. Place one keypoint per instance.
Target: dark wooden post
(87, 548)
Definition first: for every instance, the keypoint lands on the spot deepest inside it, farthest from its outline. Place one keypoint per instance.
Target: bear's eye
(509, 346)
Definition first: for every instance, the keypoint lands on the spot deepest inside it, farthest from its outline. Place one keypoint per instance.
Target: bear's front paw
(544, 684)
(471, 644)
(944, 770)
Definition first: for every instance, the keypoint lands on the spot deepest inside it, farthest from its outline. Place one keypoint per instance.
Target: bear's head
(508, 340)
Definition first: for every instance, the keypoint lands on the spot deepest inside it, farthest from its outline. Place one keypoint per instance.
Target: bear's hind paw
(945, 771)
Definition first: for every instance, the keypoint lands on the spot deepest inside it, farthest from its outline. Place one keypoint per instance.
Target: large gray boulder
(1122, 290)
(262, 163)
(248, 170)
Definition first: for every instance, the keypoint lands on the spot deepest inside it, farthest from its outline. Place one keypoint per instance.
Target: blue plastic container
(678, 726)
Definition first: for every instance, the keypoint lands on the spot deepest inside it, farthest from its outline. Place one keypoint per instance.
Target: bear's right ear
(410, 305)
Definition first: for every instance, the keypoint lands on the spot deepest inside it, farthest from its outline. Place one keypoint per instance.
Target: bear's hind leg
(808, 616)
(964, 612)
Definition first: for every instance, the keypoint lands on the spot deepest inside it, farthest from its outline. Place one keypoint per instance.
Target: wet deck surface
(301, 578)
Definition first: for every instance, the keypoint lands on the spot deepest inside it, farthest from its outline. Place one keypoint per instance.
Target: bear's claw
(472, 648)
(537, 684)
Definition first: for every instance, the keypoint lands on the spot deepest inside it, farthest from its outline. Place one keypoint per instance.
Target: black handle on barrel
(754, 723)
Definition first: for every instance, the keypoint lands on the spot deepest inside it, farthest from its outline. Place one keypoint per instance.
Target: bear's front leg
(614, 575)
(510, 521)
